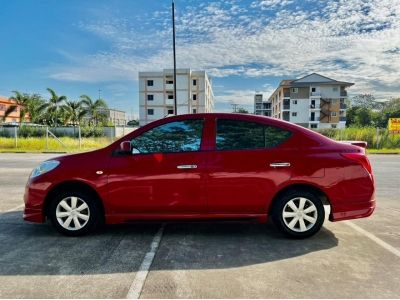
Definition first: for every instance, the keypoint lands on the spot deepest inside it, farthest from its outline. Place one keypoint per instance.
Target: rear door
(248, 162)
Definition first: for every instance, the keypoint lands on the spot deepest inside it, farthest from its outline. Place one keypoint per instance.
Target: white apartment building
(313, 101)
(262, 106)
(156, 94)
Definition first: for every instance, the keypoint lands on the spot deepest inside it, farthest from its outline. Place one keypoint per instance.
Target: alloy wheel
(300, 214)
(72, 213)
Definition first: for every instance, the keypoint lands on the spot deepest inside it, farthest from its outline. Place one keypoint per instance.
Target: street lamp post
(173, 40)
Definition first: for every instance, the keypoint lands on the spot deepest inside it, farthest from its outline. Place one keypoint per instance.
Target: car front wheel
(74, 214)
(298, 214)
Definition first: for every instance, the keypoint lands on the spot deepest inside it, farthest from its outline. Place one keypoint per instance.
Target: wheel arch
(300, 187)
(72, 185)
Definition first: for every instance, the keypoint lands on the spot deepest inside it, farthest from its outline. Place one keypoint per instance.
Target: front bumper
(34, 205)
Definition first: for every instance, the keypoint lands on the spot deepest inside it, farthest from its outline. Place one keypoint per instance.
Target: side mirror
(125, 147)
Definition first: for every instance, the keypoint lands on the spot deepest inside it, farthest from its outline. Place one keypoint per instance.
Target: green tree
(363, 116)
(367, 101)
(242, 110)
(94, 109)
(51, 107)
(33, 108)
(73, 112)
(21, 100)
(8, 111)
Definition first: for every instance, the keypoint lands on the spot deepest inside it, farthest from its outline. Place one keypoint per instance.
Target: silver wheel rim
(72, 213)
(300, 214)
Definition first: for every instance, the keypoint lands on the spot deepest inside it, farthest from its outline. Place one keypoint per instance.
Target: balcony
(314, 119)
(286, 106)
(286, 95)
(314, 106)
(342, 119)
(343, 93)
(316, 94)
(343, 106)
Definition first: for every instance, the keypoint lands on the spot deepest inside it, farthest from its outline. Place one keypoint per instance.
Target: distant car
(206, 166)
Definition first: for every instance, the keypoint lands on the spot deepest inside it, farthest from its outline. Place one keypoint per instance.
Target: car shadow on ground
(37, 249)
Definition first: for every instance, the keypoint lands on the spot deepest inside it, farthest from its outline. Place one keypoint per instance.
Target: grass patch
(37, 144)
(383, 151)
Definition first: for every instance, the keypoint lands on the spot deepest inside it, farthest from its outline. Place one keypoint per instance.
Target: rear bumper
(352, 211)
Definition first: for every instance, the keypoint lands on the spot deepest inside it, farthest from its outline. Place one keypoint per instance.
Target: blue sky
(78, 47)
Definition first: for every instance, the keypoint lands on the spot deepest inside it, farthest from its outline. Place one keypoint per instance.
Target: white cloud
(350, 40)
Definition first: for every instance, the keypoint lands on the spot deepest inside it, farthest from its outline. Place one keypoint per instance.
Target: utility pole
(173, 40)
(99, 93)
(234, 107)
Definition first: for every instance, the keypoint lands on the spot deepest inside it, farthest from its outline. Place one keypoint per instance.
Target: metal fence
(68, 138)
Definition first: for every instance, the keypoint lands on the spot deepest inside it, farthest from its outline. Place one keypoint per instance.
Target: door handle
(186, 167)
(280, 165)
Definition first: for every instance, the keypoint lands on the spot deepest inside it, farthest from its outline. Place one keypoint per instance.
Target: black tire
(93, 211)
(281, 205)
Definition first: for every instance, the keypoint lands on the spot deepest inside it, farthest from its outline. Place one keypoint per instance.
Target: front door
(164, 173)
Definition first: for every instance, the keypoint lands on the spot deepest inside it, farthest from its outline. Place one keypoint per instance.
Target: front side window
(150, 82)
(180, 136)
(240, 135)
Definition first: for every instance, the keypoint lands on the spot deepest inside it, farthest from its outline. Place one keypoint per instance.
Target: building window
(313, 90)
(170, 111)
(168, 81)
(333, 114)
(150, 82)
(150, 111)
(333, 125)
(294, 101)
(194, 97)
(335, 88)
(294, 114)
(170, 96)
(194, 82)
(314, 126)
(295, 90)
(150, 97)
(194, 110)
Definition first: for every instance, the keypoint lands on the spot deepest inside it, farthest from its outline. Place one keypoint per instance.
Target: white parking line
(374, 238)
(138, 283)
(12, 209)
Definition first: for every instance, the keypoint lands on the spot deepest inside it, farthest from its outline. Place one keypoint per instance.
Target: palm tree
(73, 112)
(95, 109)
(21, 100)
(8, 111)
(33, 108)
(52, 106)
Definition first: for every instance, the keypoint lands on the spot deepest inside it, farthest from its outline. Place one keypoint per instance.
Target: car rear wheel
(298, 214)
(74, 213)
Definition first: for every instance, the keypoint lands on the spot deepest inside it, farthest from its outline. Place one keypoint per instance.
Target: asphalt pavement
(356, 259)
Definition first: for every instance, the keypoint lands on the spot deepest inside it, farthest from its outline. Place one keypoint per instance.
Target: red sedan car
(206, 166)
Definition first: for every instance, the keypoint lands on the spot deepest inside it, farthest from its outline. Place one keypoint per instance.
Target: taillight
(359, 158)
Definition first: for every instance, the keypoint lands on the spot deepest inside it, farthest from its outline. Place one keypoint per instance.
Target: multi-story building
(115, 116)
(156, 94)
(262, 106)
(14, 116)
(313, 101)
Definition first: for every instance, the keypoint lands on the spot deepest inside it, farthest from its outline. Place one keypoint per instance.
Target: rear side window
(180, 136)
(237, 135)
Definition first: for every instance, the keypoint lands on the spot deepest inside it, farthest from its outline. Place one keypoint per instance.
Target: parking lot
(353, 259)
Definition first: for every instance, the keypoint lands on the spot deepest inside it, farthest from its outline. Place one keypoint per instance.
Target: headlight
(44, 167)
